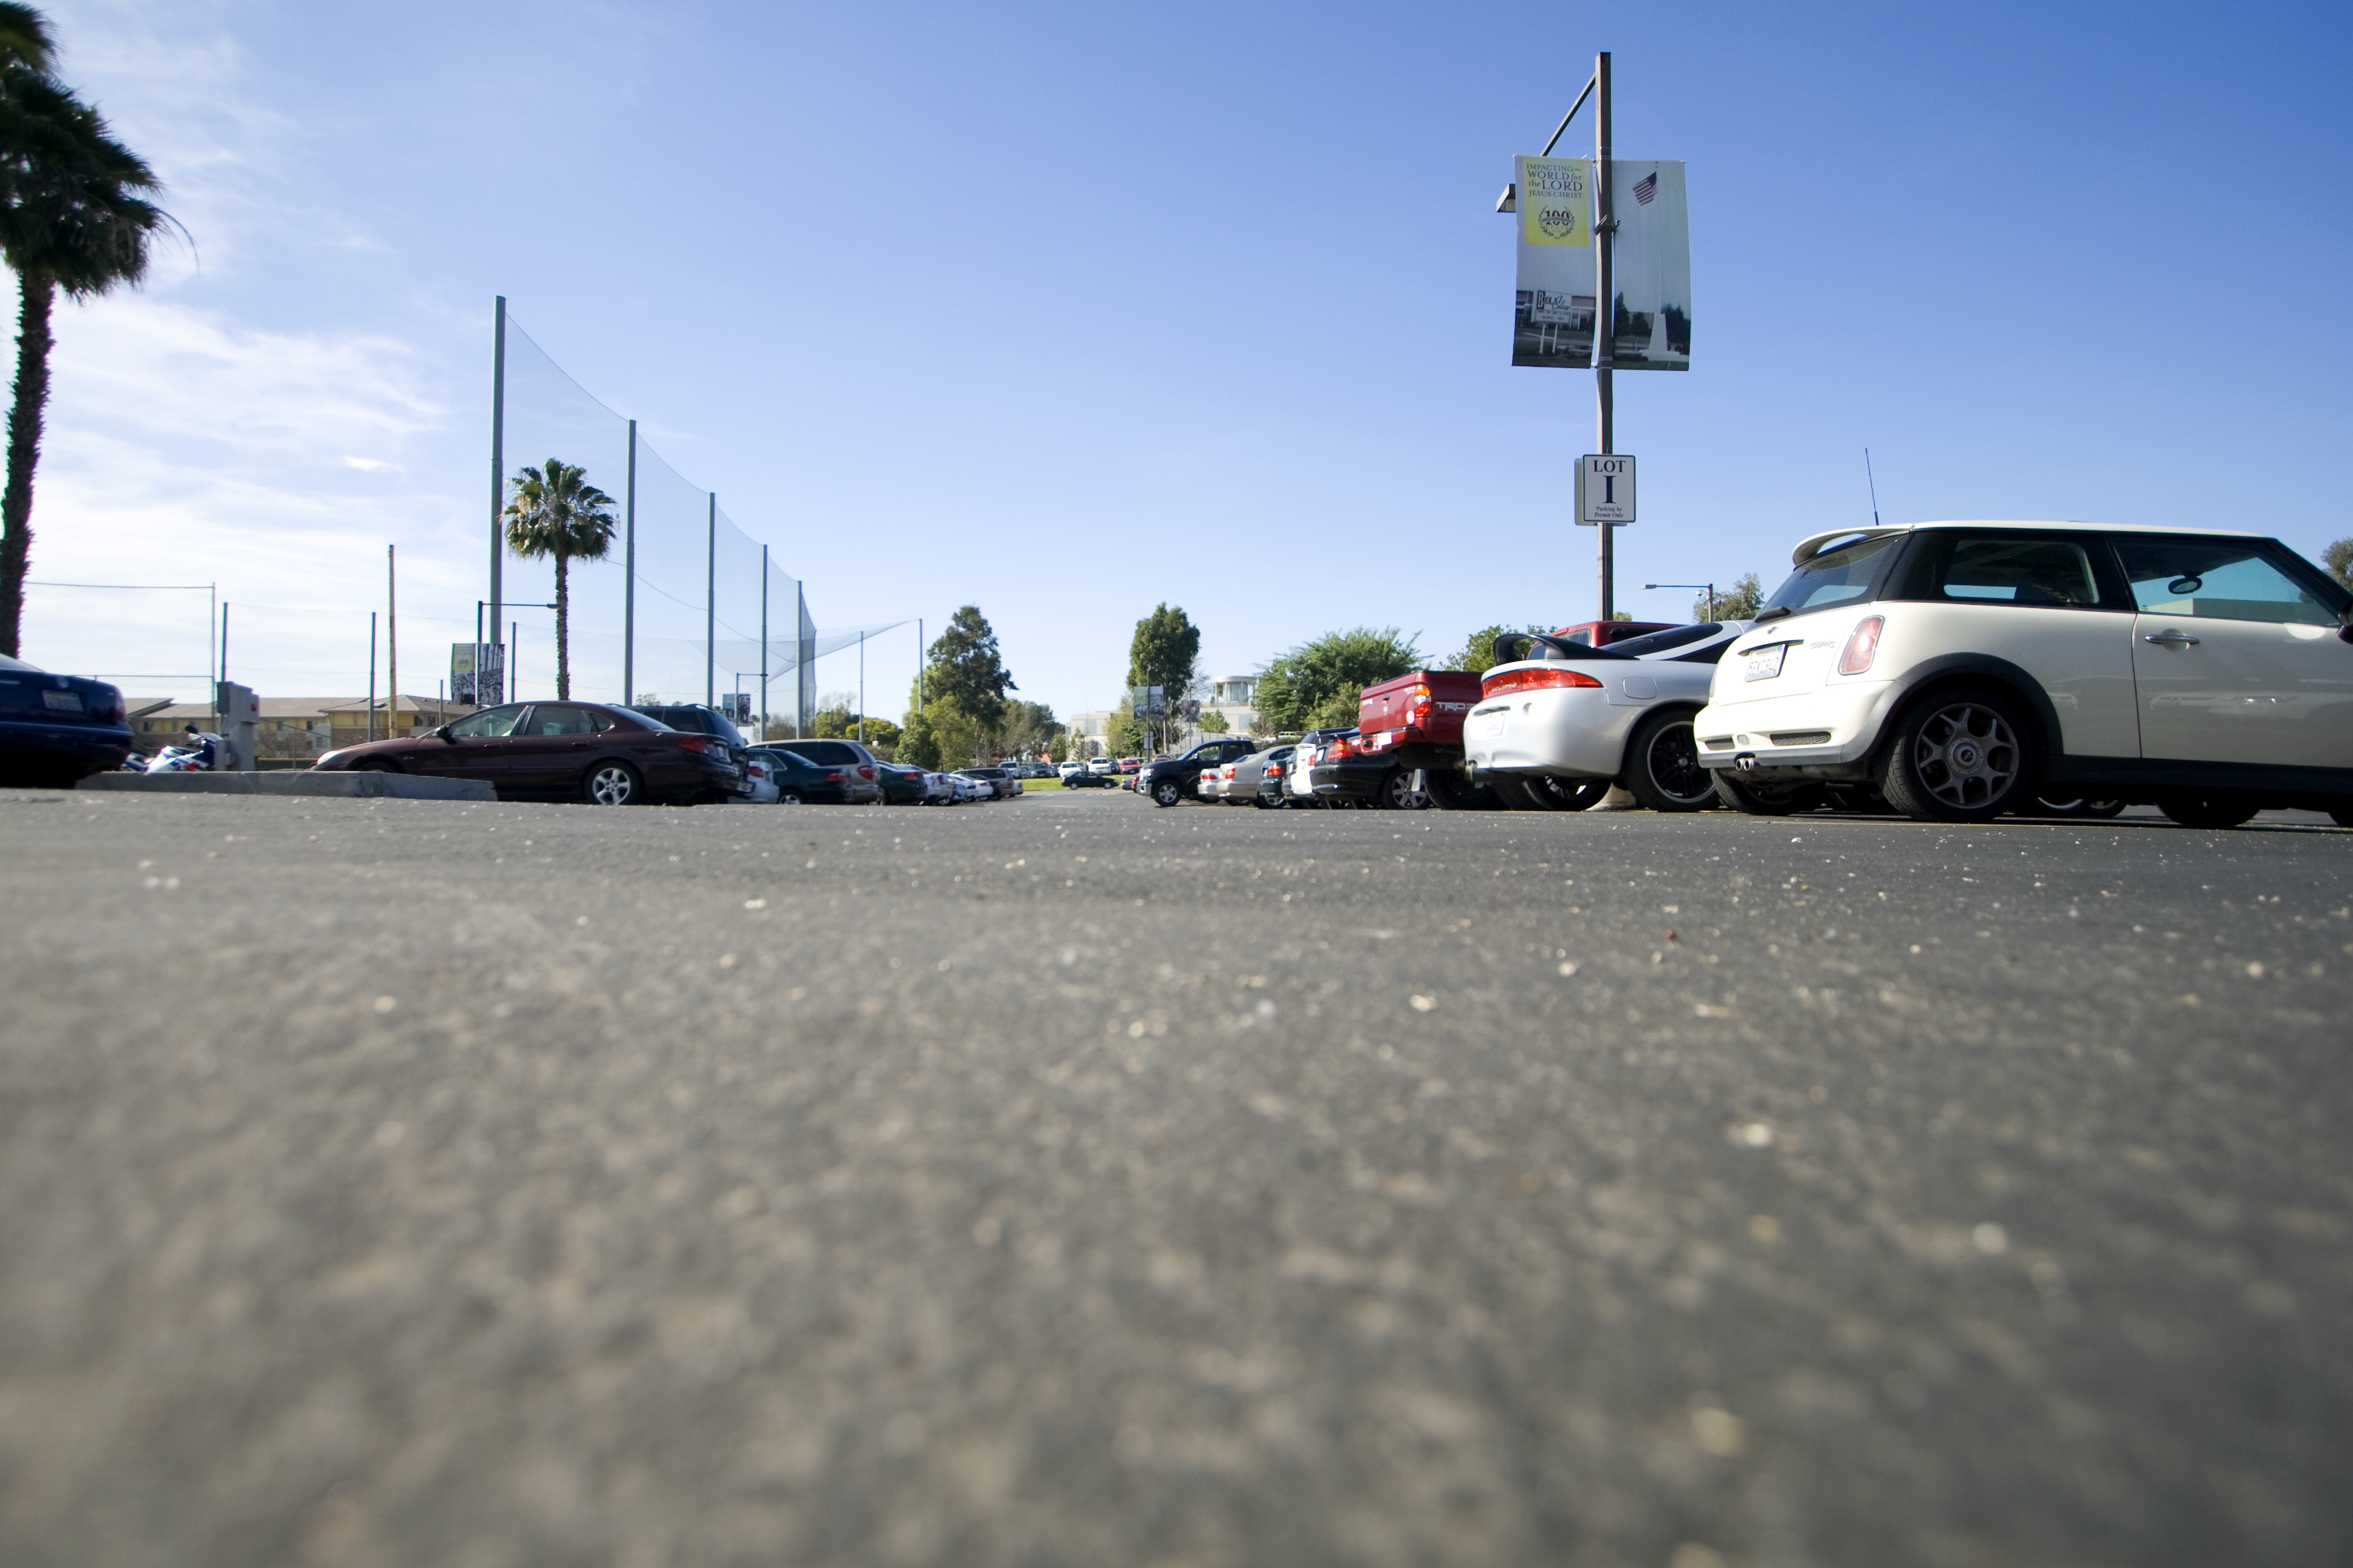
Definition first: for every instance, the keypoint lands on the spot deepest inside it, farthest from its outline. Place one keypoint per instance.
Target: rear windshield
(1835, 577)
(1673, 638)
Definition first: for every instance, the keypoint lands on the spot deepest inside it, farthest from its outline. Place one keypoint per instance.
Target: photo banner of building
(1553, 317)
(1652, 328)
(462, 656)
(1553, 322)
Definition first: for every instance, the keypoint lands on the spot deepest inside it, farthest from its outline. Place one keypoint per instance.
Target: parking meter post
(1605, 239)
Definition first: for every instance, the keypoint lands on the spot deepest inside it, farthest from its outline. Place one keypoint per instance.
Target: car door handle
(2171, 639)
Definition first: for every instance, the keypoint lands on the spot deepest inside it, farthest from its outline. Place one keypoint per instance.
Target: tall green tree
(1024, 728)
(1478, 655)
(966, 668)
(73, 217)
(1737, 601)
(2338, 559)
(557, 514)
(1317, 683)
(1165, 652)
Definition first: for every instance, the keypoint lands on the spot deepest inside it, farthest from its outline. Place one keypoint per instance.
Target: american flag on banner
(1645, 188)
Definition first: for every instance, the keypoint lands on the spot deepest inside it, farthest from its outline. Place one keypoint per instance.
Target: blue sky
(1068, 310)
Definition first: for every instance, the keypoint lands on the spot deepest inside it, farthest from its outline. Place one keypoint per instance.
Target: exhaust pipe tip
(1746, 761)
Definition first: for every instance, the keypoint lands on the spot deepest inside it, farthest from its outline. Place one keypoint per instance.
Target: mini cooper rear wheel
(1767, 799)
(2207, 810)
(613, 783)
(1958, 756)
(1662, 767)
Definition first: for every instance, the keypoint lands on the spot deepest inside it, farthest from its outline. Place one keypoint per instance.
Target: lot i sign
(1605, 489)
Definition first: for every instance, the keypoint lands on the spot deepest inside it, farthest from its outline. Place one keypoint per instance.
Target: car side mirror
(442, 733)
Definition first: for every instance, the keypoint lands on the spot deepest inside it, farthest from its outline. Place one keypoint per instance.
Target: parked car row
(1950, 672)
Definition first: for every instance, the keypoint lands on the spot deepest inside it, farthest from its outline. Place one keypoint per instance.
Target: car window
(1673, 638)
(1850, 575)
(2217, 579)
(489, 721)
(561, 718)
(1953, 566)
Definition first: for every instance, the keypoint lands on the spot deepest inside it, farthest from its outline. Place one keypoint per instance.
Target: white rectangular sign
(1605, 489)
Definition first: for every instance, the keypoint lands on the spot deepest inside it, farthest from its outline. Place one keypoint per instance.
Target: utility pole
(498, 477)
(862, 689)
(711, 610)
(630, 584)
(392, 642)
(371, 695)
(1605, 312)
(764, 641)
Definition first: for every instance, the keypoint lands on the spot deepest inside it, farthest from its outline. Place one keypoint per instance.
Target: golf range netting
(686, 608)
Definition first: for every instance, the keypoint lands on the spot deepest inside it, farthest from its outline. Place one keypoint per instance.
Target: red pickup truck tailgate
(1425, 708)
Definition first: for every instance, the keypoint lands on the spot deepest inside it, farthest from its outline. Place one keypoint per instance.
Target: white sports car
(1556, 729)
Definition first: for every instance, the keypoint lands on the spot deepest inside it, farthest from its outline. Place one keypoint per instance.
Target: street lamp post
(1709, 588)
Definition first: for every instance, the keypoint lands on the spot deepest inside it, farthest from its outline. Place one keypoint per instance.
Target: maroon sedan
(567, 751)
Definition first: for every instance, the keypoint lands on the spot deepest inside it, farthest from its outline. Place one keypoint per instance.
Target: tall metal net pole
(498, 475)
(711, 609)
(764, 641)
(1605, 312)
(630, 584)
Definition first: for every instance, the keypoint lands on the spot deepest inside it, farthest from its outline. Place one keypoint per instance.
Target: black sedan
(58, 730)
(902, 787)
(563, 750)
(802, 782)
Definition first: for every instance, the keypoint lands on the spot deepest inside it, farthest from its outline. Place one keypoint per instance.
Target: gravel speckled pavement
(1066, 1181)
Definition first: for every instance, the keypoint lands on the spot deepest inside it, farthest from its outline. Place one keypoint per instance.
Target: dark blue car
(58, 730)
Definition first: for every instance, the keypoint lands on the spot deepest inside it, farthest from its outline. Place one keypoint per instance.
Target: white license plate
(1765, 662)
(1486, 724)
(63, 701)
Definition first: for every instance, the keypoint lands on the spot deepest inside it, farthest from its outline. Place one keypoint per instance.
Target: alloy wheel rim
(1678, 771)
(610, 786)
(1966, 755)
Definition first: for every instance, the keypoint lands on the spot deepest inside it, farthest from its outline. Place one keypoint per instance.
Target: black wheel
(1662, 767)
(1958, 756)
(1540, 792)
(375, 767)
(1167, 792)
(789, 797)
(1398, 791)
(2208, 810)
(1767, 799)
(613, 783)
(1448, 793)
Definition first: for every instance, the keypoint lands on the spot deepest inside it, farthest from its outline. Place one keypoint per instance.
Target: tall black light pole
(498, 475)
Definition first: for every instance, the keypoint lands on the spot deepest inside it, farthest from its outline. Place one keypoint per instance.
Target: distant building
(293, 727)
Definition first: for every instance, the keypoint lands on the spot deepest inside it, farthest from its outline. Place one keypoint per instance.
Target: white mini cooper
(1963, 668)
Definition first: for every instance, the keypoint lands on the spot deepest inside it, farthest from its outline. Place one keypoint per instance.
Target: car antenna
(1873, 480)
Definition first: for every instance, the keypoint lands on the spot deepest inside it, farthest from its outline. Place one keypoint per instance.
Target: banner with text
(1553, 323)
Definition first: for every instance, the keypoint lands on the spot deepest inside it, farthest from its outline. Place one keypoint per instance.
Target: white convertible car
(1555, 729)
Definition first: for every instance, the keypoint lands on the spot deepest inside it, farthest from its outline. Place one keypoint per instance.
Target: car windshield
(1849, 574)
(648, 719)
(1673, 638)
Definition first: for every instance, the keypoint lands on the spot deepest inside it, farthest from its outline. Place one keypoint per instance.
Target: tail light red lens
(833, 777)
(1275, 769)
(865, 773)
(1496, 685)
(1861, 645)
(1418, 701)
(694, 743)
(1338, 749)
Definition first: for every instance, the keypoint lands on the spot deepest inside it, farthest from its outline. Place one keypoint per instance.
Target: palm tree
(73, 215)
(556, 513)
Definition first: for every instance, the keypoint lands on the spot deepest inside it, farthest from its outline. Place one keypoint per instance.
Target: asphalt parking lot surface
(1067, 1182)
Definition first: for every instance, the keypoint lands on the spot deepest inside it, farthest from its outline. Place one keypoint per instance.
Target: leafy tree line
(964, 717)
(75, 216)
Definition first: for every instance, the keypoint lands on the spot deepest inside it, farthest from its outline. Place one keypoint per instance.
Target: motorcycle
(181, 760)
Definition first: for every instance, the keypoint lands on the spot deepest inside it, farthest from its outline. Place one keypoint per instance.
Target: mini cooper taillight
(1861, 645)
(1510, 681)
